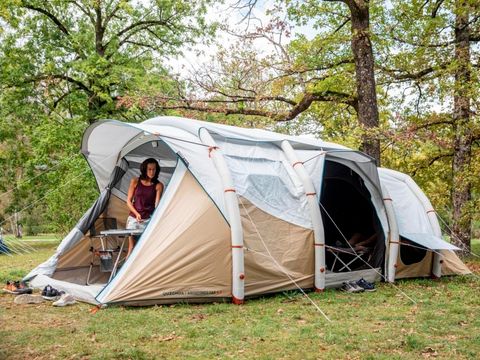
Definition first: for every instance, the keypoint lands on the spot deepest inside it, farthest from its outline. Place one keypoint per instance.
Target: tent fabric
(413, 223)
(99, 206)
(430, 241)
(185, 252)
(411, 215)
(79, 292)
(81, 228)
(274, 248)
(420, 269)
(184, 259)
(452, 265)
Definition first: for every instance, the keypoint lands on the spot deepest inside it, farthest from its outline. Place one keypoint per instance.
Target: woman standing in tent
(143, 197)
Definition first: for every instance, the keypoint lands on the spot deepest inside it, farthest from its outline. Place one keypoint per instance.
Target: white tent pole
(393, 236)
(432, 218)
(233, 215)
(313, 202)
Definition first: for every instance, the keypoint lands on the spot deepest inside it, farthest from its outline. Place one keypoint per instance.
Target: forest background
(396, 79)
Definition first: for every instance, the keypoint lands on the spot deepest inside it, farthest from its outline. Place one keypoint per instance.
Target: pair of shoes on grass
(59, 298)
(51, 294)
(17, 288)
(358, 286)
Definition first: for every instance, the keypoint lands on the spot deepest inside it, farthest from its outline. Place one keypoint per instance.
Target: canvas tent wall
(422, 250)
(240, 215)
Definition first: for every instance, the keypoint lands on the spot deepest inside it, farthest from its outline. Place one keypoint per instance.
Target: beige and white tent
(245, 212)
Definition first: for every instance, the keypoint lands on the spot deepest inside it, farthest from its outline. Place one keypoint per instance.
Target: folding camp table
(108, 254)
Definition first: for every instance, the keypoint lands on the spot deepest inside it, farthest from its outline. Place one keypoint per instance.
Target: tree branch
(431, 162)
(436, 8)
(297, 108)
(60, 77)
(412, 76)
(84, 10)
(141, 24)
(52, 17)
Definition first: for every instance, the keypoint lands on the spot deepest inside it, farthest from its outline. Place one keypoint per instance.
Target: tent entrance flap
(350, 221)
(429, 241)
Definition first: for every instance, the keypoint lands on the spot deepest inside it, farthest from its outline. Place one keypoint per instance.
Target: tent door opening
(353, 236)
(79, 265)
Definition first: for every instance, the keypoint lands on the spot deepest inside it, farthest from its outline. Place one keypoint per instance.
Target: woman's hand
(138, 217)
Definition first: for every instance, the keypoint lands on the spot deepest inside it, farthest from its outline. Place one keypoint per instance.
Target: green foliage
(63, 65)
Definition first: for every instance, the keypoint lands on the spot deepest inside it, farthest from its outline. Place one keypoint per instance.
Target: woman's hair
(143, 170)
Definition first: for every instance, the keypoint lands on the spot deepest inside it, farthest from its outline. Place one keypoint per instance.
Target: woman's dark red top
(144, 199)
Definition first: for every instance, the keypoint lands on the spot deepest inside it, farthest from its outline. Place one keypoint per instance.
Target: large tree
(296, 76)
(434, 59)
(96, 50)
(65, 64)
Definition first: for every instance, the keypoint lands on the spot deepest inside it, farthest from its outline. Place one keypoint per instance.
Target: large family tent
(245, 212)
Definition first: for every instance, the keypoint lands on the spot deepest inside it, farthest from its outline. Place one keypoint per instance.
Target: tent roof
(104, 140)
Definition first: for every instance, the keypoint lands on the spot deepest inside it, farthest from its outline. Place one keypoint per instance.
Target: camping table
(121, 233)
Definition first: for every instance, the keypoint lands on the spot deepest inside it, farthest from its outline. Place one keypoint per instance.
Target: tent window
(411, 254)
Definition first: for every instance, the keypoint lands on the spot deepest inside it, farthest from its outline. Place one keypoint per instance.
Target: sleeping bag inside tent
(244, 212)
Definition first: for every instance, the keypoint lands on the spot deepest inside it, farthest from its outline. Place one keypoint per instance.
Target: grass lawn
(443, 323)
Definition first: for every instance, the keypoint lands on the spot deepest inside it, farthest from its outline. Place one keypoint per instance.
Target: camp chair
(349, 256)
(108, 247)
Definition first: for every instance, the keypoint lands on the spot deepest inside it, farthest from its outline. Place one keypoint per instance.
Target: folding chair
(349, 253)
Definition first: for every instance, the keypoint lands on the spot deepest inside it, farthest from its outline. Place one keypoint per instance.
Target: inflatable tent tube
(393, 236)
(233, 213)
(313, 200)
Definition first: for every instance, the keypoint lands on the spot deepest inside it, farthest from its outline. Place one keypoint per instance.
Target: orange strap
(237, 246)
(296, 163)
(318, 244)
(95, 309)
(311, 194)
(229, 190)
(429, 211)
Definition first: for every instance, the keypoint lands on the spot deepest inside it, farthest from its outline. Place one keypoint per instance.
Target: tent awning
(429, 241)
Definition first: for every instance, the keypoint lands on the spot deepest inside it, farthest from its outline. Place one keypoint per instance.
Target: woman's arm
(131, 192)
(159, 190)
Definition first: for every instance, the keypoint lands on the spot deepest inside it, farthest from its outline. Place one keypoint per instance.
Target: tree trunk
(365, 77)
(461, 183)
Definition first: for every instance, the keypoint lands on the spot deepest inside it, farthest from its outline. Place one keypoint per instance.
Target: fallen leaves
(429, 352)
(162, 338)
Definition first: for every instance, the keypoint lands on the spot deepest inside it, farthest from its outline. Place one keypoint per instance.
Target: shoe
(356, 287)
(17, 287)
(11, 286)
(347, 287)
(65, 299)
(367, 286)
(22, 288)
(28, 299)
(50, 293)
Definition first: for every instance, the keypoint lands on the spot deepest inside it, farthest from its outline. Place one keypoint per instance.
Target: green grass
(443, 323)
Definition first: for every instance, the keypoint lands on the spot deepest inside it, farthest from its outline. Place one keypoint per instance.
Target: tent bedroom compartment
(244, 212)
